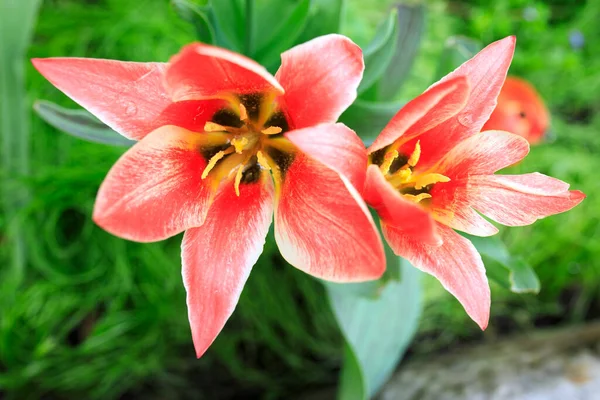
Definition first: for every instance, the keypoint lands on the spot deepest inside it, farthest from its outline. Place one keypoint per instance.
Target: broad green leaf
(369, 118)
(457, 50)
(351, 384)
(230, 16)
(325, 17)
(411, 19)
(510, 272)
(380, 51)
(79, 123)
(378, 330)
(198, 16)
(287, 28)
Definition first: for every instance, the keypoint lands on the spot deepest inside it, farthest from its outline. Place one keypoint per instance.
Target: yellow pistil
(416, 154)
(238, 179)
(213, 161)
(388, 160)
(243, 113)
(262, 160)
(417, 198)
(429, 179)
(245, 140)
(272, 130)
(239, 144)
(405, 179)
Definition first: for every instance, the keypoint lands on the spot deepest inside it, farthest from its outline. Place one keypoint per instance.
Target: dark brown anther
(282, 159)
(209, 152)
(278, 119)
(377, 157)
(252, 173)
(252, 103)
(226, 117)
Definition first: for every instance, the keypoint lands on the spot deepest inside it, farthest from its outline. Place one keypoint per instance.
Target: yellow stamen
(416, 154)
(213, 161)
(238, 179)
(243, 113)
(388, 159)
(402, 176)
(272, 130)
(429, 179)
(212, 127)
(417, 198)
(239, 144)
(262, 160)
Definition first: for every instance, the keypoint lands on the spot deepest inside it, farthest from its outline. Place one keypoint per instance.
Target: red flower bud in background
(521, 111)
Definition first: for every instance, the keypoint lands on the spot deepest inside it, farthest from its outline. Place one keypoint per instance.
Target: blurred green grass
(97, 317)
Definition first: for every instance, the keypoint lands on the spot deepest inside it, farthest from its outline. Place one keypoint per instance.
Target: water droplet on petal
(130, 108)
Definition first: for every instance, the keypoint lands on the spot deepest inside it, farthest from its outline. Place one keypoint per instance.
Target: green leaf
(325, 17)
(377, 330)
(351, 385)
(17, 21)
(230, 16)
(457, 50)
(79, 123)
(380, 51)
(283, 35)
(369, 118)
(198, 16)
(509, 272)
(411, 21)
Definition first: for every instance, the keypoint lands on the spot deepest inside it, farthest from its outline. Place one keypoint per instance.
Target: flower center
(399, 171)
(250, 140)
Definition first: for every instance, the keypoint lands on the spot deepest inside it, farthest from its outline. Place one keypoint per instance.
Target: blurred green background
(93, 316)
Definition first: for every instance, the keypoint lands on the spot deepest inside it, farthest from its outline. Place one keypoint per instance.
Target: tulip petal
(517, 200)
(155, 189)
(450, 206)
(336, 146)
(406, 216)
(322, 226)
(430, 109)
(201, 71)
(127, 96)
(486, 73)
(320, 78)
(456, 264)
(218, 256)
(483, 154)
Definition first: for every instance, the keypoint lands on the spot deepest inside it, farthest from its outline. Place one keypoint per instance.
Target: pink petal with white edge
(483, 154)
(430, 109)
(450, 206)
(456, 264)
(201, 71)
(127, 96)
(486, 73)
(517, 200)
(394, 210)
(323, 227)
(218, 256)
(155, 189)
(336, 146)
(320, 78)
